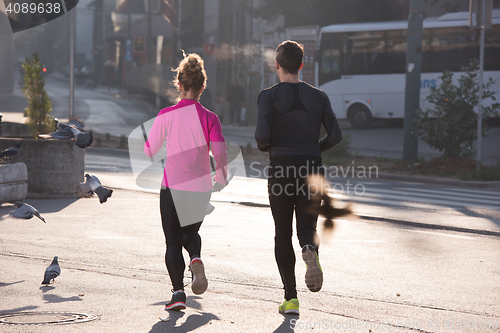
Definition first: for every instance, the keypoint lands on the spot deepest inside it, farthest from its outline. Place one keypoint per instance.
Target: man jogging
(290, 115)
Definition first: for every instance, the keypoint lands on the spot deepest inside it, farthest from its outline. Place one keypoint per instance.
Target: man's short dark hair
(289, 56)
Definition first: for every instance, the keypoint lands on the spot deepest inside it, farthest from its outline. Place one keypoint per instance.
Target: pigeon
(102, 192)
(84, 190)
(25, 211)
(9, 152)
(326, 207)
(52, 271)
(82, 139)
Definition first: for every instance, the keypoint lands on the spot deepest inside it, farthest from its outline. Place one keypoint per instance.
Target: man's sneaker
(199, 284)
(178, 301)
(290, 307)
(314, 273)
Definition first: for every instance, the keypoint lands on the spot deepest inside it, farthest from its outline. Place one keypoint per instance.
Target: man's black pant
(288, 193)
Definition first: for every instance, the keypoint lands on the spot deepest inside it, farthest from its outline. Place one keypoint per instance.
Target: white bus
(361, 66)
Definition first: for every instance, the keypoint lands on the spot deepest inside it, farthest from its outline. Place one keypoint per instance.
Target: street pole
(480, 93)
(149, 44)
(480, 100)
(72, 62)
(412, 90)
(249, 59)
(480, 12)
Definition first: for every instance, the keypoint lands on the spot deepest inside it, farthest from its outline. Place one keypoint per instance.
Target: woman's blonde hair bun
(191, 73)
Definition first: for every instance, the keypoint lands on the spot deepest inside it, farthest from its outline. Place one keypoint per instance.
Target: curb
(430, 225)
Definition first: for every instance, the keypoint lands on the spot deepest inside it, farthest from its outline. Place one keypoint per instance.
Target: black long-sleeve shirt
(289, 120)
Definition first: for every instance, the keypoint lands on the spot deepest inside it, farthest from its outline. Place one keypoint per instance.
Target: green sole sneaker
(314, 273)
(290, 307)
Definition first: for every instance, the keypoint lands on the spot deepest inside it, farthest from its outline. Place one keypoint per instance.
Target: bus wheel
(360, 116)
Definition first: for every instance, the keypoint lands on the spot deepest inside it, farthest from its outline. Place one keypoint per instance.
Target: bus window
(365, 53)
(330, 60)
(492, 49)
(449, 48)
(396, 51)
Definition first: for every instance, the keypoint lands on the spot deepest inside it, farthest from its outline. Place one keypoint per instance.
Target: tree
(451, 127)
(39, 104)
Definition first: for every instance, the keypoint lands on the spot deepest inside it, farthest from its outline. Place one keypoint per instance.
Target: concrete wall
(55, 167)
(13, 182)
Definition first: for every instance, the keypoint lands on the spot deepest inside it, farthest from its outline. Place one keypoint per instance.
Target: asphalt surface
(378, 275)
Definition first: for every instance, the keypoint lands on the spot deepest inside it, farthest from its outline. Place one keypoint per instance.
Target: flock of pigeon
(87, 189)
(91, 186)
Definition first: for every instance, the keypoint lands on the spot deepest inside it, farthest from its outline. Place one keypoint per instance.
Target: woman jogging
(189, 131)
(290, 115)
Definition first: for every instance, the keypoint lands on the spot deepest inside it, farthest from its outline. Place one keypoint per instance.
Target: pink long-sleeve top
(189, 132)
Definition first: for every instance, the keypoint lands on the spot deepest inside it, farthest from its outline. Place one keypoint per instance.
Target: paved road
(378, 275)
(102, 112)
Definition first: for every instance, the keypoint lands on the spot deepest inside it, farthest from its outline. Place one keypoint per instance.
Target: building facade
(6, 61)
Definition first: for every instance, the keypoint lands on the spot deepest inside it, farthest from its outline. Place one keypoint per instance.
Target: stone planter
(13, 182)
(55, 167)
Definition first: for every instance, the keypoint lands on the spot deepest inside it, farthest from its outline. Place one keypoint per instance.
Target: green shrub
(39, 104)
(343, 148)
(451, 127)
(123, 141)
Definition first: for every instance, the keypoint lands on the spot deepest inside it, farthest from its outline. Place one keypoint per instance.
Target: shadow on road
(15, 310)
(286, 326)
(491, 215)
(3, 284)
(44, 289)
(192, 302)
(50, 298)
(191, 323)
(42, 205)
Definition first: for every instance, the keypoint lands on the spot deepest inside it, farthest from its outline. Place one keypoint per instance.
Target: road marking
(405, 194)
(488, 195)
(390, 203)
(358, 241)
(382, 198)
(439, 234)
(472, 191)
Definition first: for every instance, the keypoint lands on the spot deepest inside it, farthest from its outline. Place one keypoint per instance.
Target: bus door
(329, 70)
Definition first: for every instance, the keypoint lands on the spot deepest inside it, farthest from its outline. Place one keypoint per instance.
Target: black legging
(177, 237)
(288, 193)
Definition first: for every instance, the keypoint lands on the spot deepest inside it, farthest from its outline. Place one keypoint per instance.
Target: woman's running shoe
(199, 283)
(178, 301)
(314, 273)
(290, 307)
